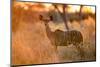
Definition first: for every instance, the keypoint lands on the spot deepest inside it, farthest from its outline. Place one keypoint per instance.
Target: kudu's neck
(48, 30)
(50, 34)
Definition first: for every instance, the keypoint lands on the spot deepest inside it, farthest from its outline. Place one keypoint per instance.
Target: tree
(62, 14)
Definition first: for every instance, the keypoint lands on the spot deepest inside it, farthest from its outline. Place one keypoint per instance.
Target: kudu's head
(46, 19)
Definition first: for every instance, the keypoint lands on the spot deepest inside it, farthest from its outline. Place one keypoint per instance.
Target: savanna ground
(30, 44)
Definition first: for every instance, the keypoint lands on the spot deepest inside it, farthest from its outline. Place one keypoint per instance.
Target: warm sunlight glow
(73, 8)
(47, 5)
(88, 9)
(76, 8)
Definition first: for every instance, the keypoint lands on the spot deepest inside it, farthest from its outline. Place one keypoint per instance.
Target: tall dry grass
(30, 44)
(88, 30)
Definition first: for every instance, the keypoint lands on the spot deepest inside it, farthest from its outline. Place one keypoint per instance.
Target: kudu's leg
(80, 50)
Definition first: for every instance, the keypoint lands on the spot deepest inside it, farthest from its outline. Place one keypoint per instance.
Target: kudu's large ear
(40, 17)
(51, 18)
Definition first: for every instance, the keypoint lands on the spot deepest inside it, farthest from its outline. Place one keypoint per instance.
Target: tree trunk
(63, 15)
